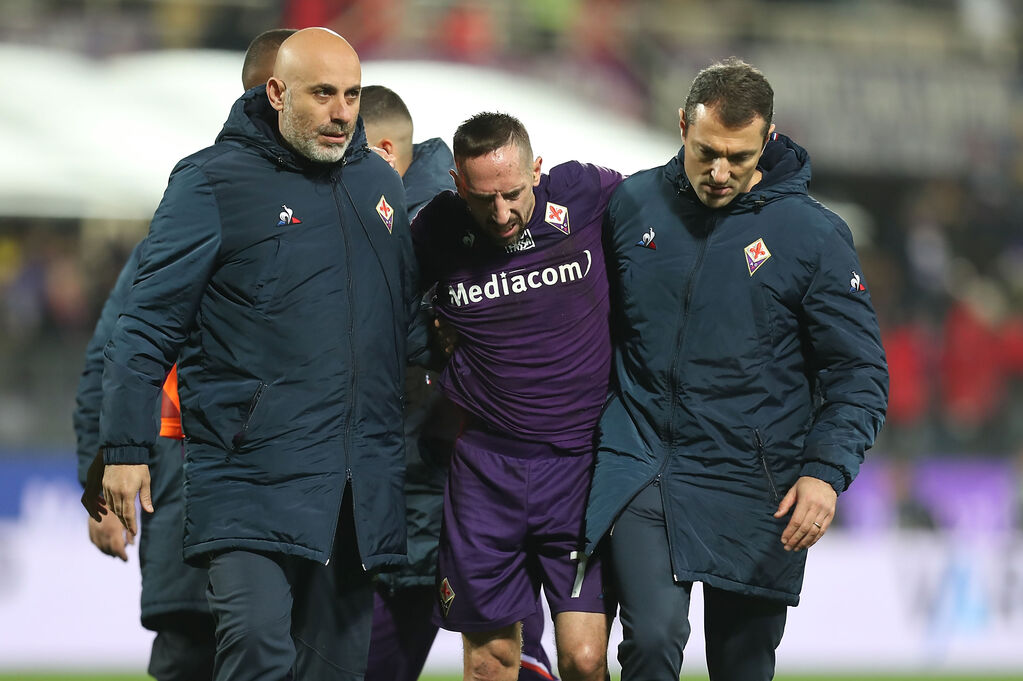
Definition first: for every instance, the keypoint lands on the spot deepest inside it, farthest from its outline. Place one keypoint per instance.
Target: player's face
(721, 162)
(498, 188)
(319, 113)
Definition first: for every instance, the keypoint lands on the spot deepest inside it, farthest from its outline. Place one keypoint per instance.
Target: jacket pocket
(763, 315)
(274, 254)
(242, 435)
(758, 442)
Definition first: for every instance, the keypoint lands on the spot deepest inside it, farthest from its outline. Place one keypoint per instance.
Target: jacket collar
(253, 122)
(428, 174)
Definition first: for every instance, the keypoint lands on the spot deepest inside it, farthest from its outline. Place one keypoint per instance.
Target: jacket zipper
(239, 439)
(349, 481)
(763, 462)
(684, 314)
(667, 518)
(675, 382)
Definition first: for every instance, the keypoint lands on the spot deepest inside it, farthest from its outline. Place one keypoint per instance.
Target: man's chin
(330, 153)
(507, 238)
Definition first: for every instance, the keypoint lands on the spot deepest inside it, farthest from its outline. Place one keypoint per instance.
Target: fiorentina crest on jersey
(447, 595)
(386, 213)
(756, 255)
(557, 217)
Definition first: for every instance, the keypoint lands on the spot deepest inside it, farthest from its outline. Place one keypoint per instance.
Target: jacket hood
(428, 175)
(253, 121)
(785, 166)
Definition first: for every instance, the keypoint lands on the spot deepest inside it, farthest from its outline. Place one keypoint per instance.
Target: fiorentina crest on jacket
(756, 255)
(557, 217)
(386, 213)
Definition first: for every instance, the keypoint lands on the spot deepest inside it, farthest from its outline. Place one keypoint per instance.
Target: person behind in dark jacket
(258, 63)
(403, 630)
(278, 271)
(516, 258)
(748, 381)
(173, 600)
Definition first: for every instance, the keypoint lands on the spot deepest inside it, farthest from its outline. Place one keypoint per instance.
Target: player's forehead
(340, 75)
(501, 171)
(706, 130)
(333, 81)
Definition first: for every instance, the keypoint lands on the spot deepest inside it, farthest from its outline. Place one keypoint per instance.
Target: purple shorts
(513, 520)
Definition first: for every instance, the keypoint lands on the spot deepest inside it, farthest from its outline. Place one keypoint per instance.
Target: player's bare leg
(492, 655)
(581, 639)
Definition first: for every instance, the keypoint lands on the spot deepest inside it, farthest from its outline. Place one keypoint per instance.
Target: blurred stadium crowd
(912, 111)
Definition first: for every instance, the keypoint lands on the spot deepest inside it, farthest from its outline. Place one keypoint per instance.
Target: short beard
(308, 146)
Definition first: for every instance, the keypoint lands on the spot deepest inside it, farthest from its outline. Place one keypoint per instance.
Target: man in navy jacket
(173, 599)
(278, 272)
(748, 377)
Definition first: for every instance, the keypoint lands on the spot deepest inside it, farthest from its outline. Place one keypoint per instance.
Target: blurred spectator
(974, 381)
(911, 354)
(468, 33)
(370, 25)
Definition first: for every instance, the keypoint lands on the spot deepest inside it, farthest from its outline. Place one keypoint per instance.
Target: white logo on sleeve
(856, 284)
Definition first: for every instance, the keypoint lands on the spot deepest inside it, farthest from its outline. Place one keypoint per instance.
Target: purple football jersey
(535, 351)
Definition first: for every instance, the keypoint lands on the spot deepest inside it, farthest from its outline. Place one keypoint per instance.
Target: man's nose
(502, 211)
(342, 111)
(719, 171)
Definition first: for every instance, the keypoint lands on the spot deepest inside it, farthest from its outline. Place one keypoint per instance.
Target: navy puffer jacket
(286, 291)
(747, 355)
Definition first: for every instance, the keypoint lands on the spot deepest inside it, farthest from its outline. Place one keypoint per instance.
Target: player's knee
(496, 660)
(486, 667)
(585, 662)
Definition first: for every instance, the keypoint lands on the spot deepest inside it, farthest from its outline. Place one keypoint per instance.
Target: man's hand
(121, 484)
(814, 502)
(109, 536)
(92, 497)
(444, 336)
(383, 153)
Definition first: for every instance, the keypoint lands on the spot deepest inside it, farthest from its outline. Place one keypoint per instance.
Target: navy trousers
(280, 617)
(742, 632)
(183, 649)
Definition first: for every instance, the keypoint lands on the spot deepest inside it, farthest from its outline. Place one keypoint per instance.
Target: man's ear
(275, 88)
(767, 138)
(458, 183)
(537, 163)
(387, 144)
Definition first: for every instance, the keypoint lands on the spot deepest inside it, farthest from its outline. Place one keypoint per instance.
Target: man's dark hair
(737, 92)
(486, 132)
(262, 46)
(381, 103)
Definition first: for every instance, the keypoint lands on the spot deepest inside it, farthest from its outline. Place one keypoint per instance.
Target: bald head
(315, 87)
(312, 51)
(258, 65)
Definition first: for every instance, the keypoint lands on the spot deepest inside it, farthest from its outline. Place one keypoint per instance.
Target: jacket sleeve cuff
(832, 475)
(128, 454)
